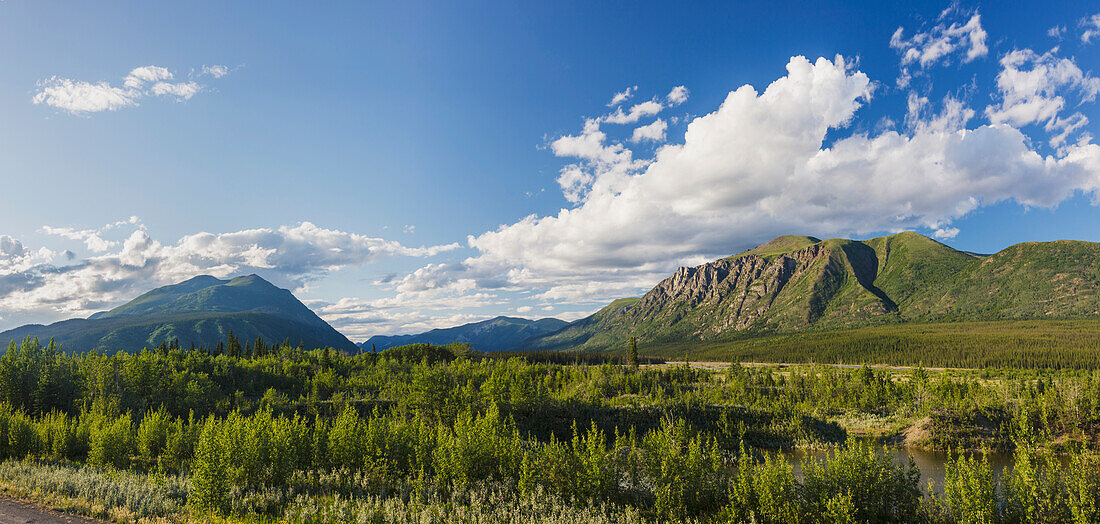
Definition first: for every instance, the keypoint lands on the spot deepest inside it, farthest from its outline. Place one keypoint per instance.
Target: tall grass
(110, 493)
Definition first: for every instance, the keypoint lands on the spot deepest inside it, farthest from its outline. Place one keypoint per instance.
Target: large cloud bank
(762, 165)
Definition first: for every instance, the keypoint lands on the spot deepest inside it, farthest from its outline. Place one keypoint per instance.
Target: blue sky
(409, 165)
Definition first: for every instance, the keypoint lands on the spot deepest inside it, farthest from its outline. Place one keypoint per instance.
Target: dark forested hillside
(200, 311)
(794, 284)
(496, 334)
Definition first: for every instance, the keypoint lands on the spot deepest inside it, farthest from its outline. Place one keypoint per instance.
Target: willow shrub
(477, 448)
(209, 489)
(1084, 487)
(179, 446)
(687, 470)
(867, 481)
(764, 491)
(1036, 489)
(578, 468)
(969, 492)
(111, 441)
(152, 436)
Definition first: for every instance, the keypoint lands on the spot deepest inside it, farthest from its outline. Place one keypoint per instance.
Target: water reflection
(930, 463)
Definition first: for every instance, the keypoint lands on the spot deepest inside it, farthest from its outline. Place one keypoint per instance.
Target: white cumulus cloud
(754, 168)
(677, 96)
(637, 112)
(290, 255)
(654, 132)
(1032, 89)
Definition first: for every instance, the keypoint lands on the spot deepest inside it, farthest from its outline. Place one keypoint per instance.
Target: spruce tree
(634, 352)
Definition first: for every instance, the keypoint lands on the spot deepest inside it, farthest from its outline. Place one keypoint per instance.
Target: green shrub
(686, 470)
(111, 441)
(152, 436)
(23, 439)
(179, 445)
(209, 481)
(764, 491)
(345, 444)
(878, 489)
(969, 491)
(1084, 487)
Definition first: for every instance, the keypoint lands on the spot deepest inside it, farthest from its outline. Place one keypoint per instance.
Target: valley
(788, 383)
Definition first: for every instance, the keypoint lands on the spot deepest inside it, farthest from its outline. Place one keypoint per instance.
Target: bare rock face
(730, 294)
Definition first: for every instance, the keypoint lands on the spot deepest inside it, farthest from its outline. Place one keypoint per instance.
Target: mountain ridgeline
(202, 311)
(798, 283)
(496, 334)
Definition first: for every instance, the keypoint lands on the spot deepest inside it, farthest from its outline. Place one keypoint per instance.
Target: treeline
(1050, 344)
(777, 406)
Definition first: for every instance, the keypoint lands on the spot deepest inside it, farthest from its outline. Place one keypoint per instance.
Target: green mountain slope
(201, 310)
(497, 334)
(799, 283)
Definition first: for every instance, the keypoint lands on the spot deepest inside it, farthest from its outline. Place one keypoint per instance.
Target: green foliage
(633, 354)
(969, 490)
(1083, 485)
(673, 443)
(477, 448)
(152, 436)
(209, 481)
(427, 353)
(687, 470)
(111, 441)
(862, 479)
(1051, 344)
(763, 491)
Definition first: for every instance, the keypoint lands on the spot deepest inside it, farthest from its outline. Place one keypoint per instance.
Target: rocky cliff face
(788, 284)
(751, 291)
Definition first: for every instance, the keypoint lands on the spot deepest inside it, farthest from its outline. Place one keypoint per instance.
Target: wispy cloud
(1090, 28)
(949, 39)
(80, 97)
(622, 96)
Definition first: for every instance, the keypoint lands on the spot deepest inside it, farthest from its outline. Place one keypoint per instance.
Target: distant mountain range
(797, 283)
(497, 334)
(201, 310)
(791, 284)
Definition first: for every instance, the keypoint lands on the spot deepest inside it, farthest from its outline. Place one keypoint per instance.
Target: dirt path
(13, 511)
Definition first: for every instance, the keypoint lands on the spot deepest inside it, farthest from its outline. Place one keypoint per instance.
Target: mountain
(201, 310)
(497, 334)
(798, 283)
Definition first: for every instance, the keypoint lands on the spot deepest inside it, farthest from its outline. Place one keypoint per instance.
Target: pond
(930, 463)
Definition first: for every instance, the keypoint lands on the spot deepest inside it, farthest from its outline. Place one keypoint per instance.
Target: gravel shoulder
(14, 511)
